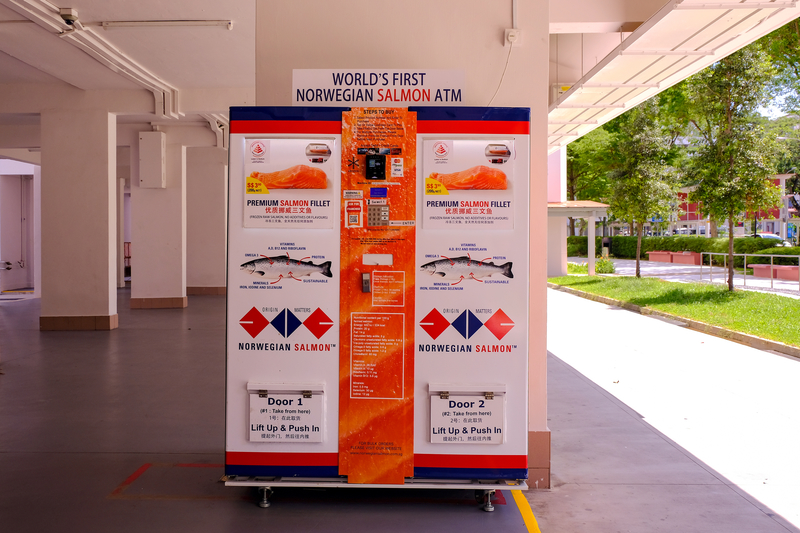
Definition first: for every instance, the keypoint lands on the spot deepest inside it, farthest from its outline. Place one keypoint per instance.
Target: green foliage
(624, 247)
(601, 266)
(795, 251)
(577, 268)
(578, 246)
(642, 183)
(734, 160)
(604, 266)
(587, 168)
(783, 47)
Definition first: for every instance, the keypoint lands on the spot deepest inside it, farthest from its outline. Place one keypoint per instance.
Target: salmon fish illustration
(459, 268)
(283, 266)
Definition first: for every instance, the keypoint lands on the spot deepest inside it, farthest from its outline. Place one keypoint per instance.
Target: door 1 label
(285, 418)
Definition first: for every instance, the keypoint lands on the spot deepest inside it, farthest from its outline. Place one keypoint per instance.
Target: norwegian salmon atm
(377, 298)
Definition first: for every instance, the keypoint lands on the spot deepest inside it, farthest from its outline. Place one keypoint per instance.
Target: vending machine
(377, 297)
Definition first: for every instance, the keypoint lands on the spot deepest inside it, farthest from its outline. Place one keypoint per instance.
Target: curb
(742, 338)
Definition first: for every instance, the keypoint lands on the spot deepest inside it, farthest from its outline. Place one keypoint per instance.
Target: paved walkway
(660, 428)
(677, 272)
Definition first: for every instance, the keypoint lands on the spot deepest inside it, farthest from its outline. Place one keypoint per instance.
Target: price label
(468, 420)
(285, 418)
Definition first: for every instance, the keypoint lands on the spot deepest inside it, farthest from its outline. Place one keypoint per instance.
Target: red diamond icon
(253, 322)
(434, 324)
(499, 324)
(318, 323)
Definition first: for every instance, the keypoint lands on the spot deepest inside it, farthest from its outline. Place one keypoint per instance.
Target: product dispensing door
(377, 297)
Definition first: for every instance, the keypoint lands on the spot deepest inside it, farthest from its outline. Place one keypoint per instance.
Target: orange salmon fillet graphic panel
(296, 177)
(479, 177)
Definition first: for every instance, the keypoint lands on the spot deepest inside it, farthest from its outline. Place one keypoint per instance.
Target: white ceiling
(175, 60)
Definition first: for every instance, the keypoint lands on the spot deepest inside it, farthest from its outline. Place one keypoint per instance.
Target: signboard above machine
(377, 87)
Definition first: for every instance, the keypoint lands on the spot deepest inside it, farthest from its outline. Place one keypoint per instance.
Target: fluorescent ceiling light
(164, 23)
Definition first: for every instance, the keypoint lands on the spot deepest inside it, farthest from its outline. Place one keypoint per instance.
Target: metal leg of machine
(265, 493)
(487, 501)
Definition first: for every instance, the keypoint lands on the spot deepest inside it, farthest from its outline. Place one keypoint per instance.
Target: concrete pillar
(123, 175)
(158, 233)
(557, 226)
(206, 216)
(37, 231)
(120, 233)
(78, 210)
(592, 252)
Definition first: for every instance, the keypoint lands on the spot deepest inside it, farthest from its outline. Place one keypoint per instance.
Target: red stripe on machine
(286, 126)
(473, 126)
(281, 459)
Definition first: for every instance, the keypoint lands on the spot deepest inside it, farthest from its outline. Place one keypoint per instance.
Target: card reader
(376, 167)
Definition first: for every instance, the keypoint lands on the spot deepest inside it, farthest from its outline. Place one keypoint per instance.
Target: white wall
(206, 216)
(446, 34)
(10, 231)
(17, 235)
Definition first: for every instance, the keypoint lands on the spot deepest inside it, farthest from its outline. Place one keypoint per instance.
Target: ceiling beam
(762, 5)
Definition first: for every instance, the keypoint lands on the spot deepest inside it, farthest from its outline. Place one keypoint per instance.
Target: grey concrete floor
(123, 431)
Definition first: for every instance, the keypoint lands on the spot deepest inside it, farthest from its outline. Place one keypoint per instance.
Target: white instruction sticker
(468, 420)
(285, 418)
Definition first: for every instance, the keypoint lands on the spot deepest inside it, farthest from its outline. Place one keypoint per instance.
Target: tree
(783, 48)
(735, 160)
(643, 184)
(586, 169)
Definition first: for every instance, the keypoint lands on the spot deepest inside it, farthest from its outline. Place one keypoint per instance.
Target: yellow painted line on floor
(526, 512)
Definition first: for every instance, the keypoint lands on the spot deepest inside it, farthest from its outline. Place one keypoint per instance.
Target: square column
(557, 226)
(206, 214)
(79, 223)
(158, 236)
(592, 252)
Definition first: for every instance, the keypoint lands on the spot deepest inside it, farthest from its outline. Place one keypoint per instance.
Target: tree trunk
(639, 231)
(730, 253)
(714, 231)
(571, 227)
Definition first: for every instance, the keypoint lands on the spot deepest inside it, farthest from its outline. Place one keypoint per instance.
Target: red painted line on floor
(499, 498)
(133, 477)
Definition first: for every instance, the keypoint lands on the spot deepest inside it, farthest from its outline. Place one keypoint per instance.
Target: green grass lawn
(764, 315)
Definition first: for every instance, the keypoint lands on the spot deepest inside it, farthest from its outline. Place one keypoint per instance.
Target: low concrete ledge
(206, 291)
(743, 338)
(160, 303)
(78, 323)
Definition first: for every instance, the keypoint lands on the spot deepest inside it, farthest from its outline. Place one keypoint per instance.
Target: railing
(725, 265)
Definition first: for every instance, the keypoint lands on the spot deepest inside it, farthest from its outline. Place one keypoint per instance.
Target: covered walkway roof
(577, 209)
(682, 38)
